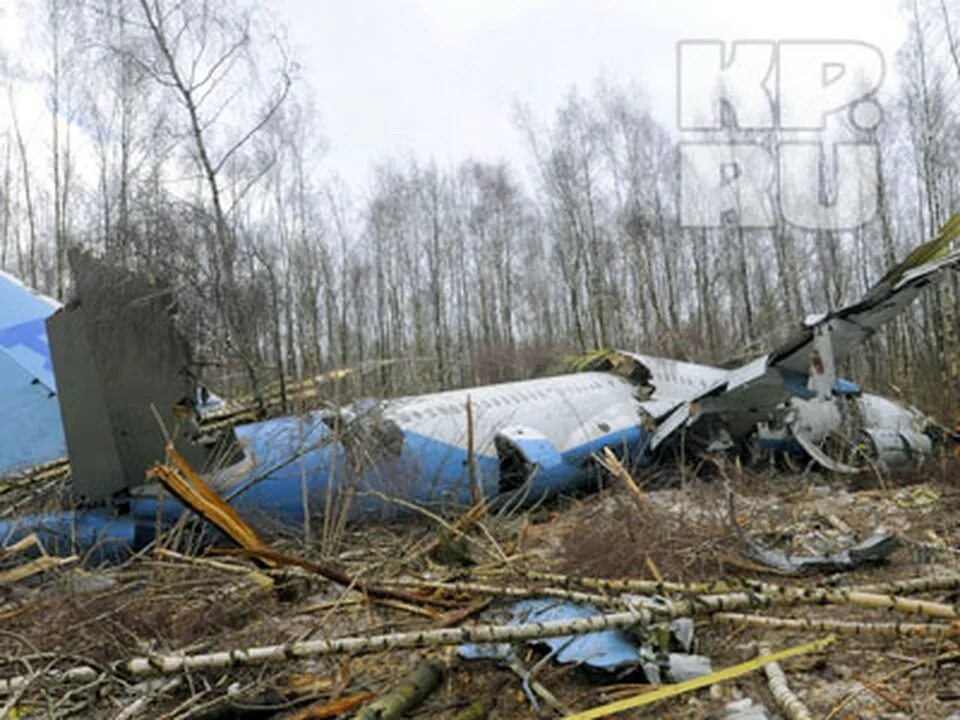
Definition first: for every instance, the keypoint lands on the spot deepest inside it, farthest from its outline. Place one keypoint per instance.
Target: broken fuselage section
(127, 388)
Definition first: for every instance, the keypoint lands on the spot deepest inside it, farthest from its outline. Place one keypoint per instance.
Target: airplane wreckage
(107, 381)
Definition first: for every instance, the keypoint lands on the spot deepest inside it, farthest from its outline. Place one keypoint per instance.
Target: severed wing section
(853, 324)
(752, 392)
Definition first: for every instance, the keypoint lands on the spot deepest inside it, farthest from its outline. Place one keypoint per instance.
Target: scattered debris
(705, 681)
(560, 643)
(610, 650)
(875, 549)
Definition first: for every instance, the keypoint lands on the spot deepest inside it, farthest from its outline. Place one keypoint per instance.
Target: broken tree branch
(840, 627)
(409, 693)
(792, 706)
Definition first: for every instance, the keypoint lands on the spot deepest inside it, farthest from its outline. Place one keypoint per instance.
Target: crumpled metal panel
(605, 649)
(610, 650)
(872, 551)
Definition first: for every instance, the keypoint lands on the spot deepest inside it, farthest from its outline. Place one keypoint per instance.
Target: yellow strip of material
(729, 673)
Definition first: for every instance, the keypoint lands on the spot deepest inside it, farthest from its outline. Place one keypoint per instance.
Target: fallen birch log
(840, 627)
(641, 615)
(507, 591)
(780, 596)
(910, 586)
(650, 587)
(788, 701)
(79, 674)
(770, 596)
(178, 662)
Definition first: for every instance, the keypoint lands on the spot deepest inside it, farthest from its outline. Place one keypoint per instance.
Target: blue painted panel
(99, 535)
(846, 387)
(605, 649)
(23, 334)
(18, 304)
(796, 385)
(31, 431)
(27, 344)
(537, 449)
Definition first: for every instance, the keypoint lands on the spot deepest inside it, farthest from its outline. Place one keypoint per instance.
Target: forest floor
(178, 598)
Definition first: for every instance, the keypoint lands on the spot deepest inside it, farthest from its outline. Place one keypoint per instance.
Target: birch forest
(177, 137)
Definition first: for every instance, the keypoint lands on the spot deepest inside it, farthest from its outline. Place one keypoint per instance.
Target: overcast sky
(438, 78)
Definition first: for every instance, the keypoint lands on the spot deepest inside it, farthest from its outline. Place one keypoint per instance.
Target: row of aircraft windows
(496, 401)
(687, 380)
(670, 374)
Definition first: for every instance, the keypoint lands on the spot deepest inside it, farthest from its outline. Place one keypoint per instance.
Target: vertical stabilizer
(118, 354)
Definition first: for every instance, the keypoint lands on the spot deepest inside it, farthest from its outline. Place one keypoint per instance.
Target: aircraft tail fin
(124, 377)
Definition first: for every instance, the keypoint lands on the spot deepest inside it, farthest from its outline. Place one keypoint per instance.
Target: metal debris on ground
(616, 650)
(874, 550)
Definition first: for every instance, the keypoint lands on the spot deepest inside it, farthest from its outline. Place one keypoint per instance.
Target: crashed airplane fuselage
(517, 441)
